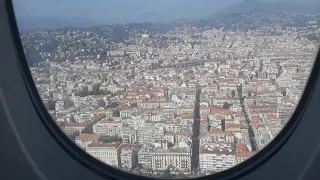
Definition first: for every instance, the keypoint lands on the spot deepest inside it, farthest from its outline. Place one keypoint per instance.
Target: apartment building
(148, 134)
(128, 157)
(83, 140)
(144, 156)
(178, 159)
(107, 128)
(216, 157)
(108, 153)
(243, 153)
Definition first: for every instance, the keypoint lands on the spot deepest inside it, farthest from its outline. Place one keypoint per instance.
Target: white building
(108, 153)
(285, 112)
(176, 158)
(216, 157)
(144, 156)
(129, 135)
(59, 105)
(128, 157)
(148, 134)
(107, 128)
(83, 140)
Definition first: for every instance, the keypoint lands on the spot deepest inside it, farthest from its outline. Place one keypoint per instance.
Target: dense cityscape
(178, 99)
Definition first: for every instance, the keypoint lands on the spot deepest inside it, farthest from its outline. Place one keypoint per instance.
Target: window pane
(171, 89)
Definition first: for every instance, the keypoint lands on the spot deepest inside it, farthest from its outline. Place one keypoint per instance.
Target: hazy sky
(106, 11)
(121, 11)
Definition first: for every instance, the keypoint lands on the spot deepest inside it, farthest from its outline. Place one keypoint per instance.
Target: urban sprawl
(184, 102)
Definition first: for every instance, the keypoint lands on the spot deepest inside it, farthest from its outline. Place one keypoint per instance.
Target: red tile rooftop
(216, 131)
(127, 148)
(238, 114)
(252, 114)
(98, 117)
(229, 134)
(190, 107)
(255, 118)
(271, 116)
(215, 110)
(107, 145)
(203, 121)
(150, 101)
(231, 126)
(85, 136)
(242, 150)
(257, 123)
(202, 134)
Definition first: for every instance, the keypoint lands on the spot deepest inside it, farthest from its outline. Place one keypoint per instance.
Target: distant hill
(251, 6)
(31, 23)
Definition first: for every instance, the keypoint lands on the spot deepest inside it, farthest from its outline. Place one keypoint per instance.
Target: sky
(121, 11)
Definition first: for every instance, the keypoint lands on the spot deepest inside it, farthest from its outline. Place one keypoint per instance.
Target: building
(59, 105)
(107, 128)
(177, 159)
(148, 134)
(128, 157)
(242, 153)
(129, 135)
(108, 153)
(144, 156)
(83, 140)
(71, 128)
(217, 157)
(285, 112)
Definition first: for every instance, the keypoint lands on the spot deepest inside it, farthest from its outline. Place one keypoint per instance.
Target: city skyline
(179, 99)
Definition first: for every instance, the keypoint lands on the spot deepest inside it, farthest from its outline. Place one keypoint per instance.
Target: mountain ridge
(272, 7)
(26, 23)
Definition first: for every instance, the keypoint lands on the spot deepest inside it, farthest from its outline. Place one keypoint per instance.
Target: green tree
(233, 93)
(226, 105)
(116, 113)
(68, 103)
(109, 139)
(88, 129)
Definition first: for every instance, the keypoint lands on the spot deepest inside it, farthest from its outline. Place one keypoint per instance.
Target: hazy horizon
(33, 14)
(107, 11)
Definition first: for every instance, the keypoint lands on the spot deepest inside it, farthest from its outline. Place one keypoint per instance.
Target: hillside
(251, 6)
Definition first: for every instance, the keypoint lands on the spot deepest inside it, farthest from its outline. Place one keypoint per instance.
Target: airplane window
(170, 89)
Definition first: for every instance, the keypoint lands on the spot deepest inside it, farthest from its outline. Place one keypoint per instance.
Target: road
(195, 135)
(250, 130)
